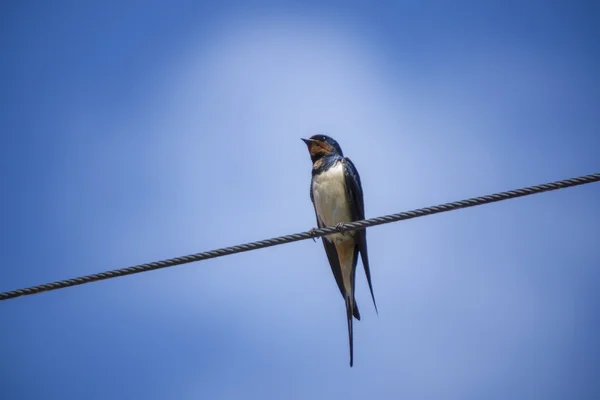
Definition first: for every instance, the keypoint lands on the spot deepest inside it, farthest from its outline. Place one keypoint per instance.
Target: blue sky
(139, 131)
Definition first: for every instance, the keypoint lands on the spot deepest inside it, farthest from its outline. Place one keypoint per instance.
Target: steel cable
(314, 233)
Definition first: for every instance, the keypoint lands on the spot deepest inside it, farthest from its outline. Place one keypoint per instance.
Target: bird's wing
(357, 212)
(334, 263)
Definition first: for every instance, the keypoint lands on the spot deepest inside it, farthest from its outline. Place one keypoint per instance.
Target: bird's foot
(312, 232)
(340, 228)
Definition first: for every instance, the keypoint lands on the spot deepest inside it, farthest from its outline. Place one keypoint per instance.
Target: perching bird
(337, 197)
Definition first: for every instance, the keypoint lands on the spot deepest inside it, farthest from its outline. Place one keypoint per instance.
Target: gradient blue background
(137, 131)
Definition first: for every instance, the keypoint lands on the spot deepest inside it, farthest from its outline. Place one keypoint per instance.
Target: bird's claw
(312, 232)
(340, 228)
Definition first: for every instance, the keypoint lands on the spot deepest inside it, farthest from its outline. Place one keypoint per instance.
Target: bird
(337, 197)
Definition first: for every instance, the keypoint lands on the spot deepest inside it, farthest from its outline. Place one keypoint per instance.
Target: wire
(313, 233)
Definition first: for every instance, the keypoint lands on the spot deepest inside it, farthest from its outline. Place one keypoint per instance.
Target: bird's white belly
(329, 194)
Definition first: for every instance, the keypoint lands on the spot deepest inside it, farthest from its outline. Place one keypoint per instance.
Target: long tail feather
(349, 312)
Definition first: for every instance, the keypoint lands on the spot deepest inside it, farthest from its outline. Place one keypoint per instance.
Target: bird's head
(320, 146)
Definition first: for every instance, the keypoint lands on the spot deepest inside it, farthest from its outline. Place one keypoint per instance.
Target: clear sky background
(137, 131)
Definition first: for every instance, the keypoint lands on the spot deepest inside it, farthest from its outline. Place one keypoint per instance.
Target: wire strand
(313, 233)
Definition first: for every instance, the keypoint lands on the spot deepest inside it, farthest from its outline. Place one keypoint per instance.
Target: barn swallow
(337, 197)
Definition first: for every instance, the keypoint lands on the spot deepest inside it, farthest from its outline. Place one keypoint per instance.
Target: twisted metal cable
(314, 233)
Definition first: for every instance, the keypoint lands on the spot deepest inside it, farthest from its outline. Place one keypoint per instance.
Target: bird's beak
(308, 141)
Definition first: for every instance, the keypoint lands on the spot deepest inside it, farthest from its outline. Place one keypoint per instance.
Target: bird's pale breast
(329, 193)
